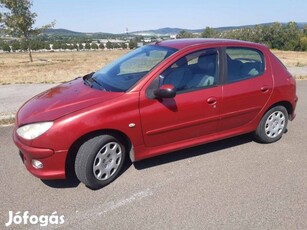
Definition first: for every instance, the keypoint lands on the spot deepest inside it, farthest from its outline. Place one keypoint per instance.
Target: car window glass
(193, 71)
(143, 62)
(243, 63)
(124, 72)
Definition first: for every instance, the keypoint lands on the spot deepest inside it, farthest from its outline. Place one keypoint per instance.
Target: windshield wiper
(88, 80)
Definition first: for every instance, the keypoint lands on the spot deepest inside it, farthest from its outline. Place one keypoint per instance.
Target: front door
(194, 111)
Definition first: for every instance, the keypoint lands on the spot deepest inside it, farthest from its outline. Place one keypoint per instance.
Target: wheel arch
(73, 150)
(285, 104)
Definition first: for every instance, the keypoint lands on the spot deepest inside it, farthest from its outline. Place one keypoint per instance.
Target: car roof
(183, 43)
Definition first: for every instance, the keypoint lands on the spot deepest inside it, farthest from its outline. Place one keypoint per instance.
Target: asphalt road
(13, 96)
(232, 184)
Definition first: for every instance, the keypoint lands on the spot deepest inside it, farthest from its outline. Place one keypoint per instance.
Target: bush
(303, 43)
(109, 45)
(5, 47)
(94, 46)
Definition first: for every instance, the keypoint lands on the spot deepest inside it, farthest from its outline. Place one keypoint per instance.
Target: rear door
(248, 86)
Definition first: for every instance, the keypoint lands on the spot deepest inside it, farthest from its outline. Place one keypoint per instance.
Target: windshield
(123, 73)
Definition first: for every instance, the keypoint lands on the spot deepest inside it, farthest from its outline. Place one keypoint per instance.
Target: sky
(114, 16)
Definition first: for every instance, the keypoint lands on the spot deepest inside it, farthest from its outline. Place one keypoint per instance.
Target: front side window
(243, 63)
(123, 73)
(193, 71)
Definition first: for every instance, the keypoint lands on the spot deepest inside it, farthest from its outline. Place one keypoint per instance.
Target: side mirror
(165, 91)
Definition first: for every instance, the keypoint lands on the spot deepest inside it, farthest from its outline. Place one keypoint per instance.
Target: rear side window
(243, 63)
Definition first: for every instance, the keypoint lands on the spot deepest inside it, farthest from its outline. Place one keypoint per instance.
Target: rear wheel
(272, 125)
(99, 160)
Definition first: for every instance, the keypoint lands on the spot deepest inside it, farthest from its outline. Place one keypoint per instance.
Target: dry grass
(57, 67)
(52, 66)
(292, 58)
(4, 121)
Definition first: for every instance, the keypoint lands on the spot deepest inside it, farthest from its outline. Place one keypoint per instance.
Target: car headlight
(32, 131)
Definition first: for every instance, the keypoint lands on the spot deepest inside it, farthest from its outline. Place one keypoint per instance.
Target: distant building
(147, 40)
(117, 41)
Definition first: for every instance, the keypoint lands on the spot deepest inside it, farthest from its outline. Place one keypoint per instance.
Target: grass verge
(7, 120)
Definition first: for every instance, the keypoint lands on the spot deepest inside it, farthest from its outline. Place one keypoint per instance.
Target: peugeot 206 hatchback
(158, 98)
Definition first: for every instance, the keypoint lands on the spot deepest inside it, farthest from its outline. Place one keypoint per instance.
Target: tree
(64, 46)
(132, 43)
(101, 46)
(123, 45)
(56, 45)
(109, 45)
(87, 46)
(276, 35)
(303, 43)
(116, 45)
(71, 47)
(19, 21)
(209, 33)
(46, 45)
(185, 34)
(23, 45)
(292, 34)
(94, 46)
(75, 47)
(6, 47)
(80, 46)
(15, 46)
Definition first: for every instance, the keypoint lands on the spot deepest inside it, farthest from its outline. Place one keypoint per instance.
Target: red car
(156, 99)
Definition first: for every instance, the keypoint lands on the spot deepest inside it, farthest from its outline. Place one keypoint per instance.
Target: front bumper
(53, 161)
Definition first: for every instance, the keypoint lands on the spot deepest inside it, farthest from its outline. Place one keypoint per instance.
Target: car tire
(99, 160)
(272, 125)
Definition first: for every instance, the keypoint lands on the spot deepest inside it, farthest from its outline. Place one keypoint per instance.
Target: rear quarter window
(244, 63)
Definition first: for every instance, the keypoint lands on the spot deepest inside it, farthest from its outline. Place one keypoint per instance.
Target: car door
(194, 111)
(248, 86)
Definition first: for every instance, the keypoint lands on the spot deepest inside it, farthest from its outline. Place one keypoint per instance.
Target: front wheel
(272, 125)
(99, 160)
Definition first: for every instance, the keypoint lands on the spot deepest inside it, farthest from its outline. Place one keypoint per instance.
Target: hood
(62, 100)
